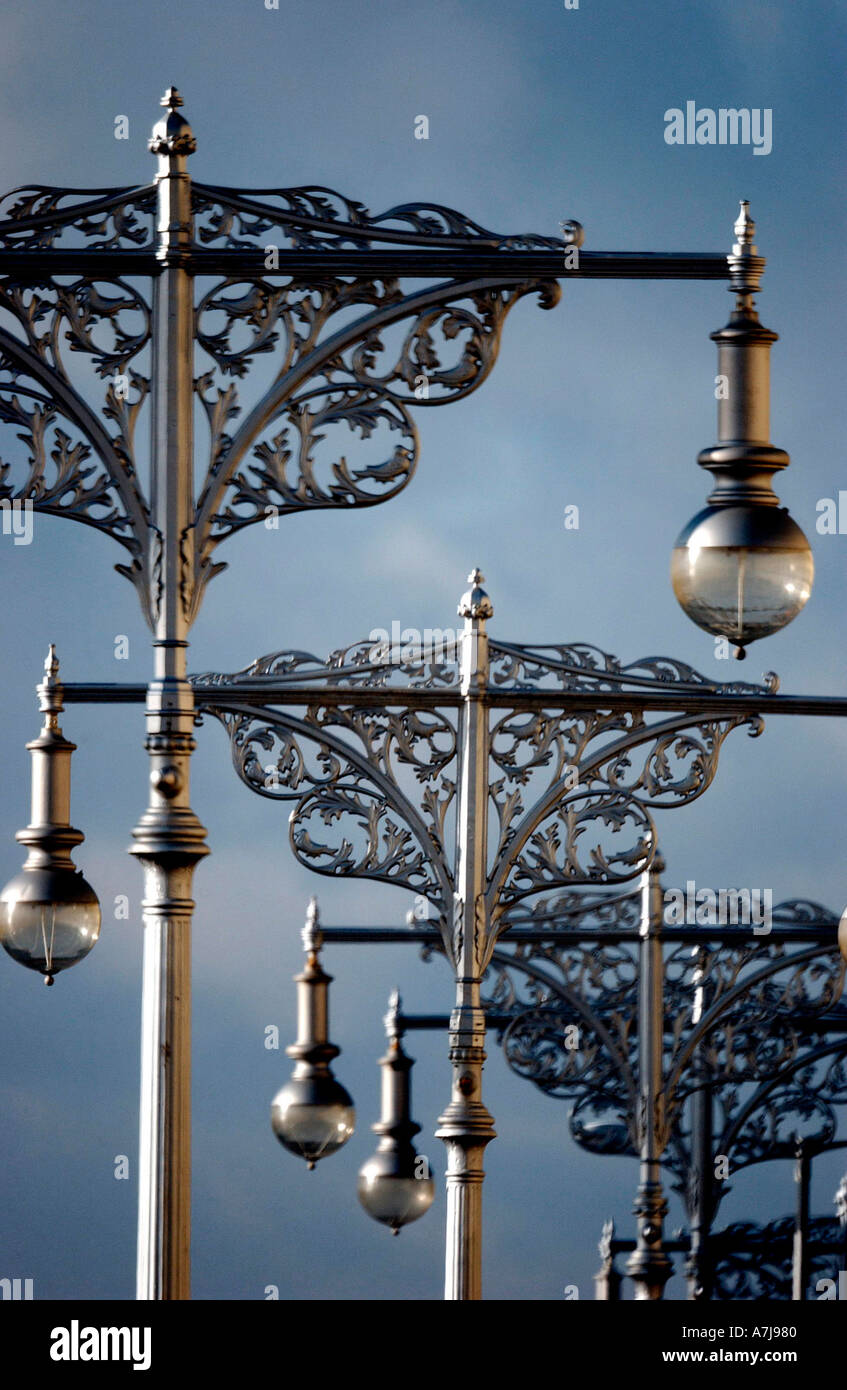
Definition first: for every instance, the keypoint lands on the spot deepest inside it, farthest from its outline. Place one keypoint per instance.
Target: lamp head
(313, 1116)
(742, 571)
(395, 1187)
(49, 919)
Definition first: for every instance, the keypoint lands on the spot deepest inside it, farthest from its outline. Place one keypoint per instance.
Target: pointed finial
(392, 1018)
(49, 690)
(605, 1244)
(745, 230)
(476, 603)
(745, 264)
(172, 135)
(312, 936)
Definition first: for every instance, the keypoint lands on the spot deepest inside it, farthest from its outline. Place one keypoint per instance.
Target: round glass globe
(395, 1199)
(313, 1117)
(49, 920)
(742, 572)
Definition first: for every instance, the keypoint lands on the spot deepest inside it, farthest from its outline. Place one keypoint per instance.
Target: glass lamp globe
(313, 1116)
(742, 571)
(391, 1193)
(49, 919)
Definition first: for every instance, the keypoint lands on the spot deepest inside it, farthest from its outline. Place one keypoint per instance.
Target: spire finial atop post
(172, 136)
(476, 603)
(745, 263)
(745, 230)
(50, 690)
(312, 934)
(393, 1030)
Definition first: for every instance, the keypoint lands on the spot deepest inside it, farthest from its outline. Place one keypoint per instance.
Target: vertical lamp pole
(466, 1126)
(169, 839)
(649, 1266)
(701, 1193)
(800, 1253)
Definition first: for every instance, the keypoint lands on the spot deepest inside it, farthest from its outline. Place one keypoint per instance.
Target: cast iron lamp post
(387, 755)
(733, 1042)
(740, 1039)
(313, 278)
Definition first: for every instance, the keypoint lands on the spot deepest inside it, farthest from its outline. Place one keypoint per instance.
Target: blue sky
(536, 114)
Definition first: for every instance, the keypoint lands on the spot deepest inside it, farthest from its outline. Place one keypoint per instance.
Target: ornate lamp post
(284, 268)
(540, 717)
(749, 1260)
(378, 747)
(289, 267)
(740, 1049)
(656, 1041)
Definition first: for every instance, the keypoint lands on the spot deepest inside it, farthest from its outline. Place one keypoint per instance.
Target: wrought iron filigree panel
(755, 1262)
(760, 1025)
(350, 354)
(568, 783)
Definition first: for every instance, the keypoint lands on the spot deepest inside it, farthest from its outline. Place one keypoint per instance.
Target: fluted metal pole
(649, 1266)
(466, 1126)
(169, 840)
(701, 1194)
(800, 1251)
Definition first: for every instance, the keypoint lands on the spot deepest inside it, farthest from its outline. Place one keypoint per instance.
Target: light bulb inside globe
(49, 919)
(742, 572)
(393, 1191)
(313, 1116)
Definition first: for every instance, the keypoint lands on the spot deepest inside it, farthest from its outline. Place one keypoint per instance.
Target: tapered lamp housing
(49, 914)
(395, 1185)
(741, 568)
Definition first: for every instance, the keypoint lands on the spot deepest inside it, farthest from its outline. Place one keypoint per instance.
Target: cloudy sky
(536, 114)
